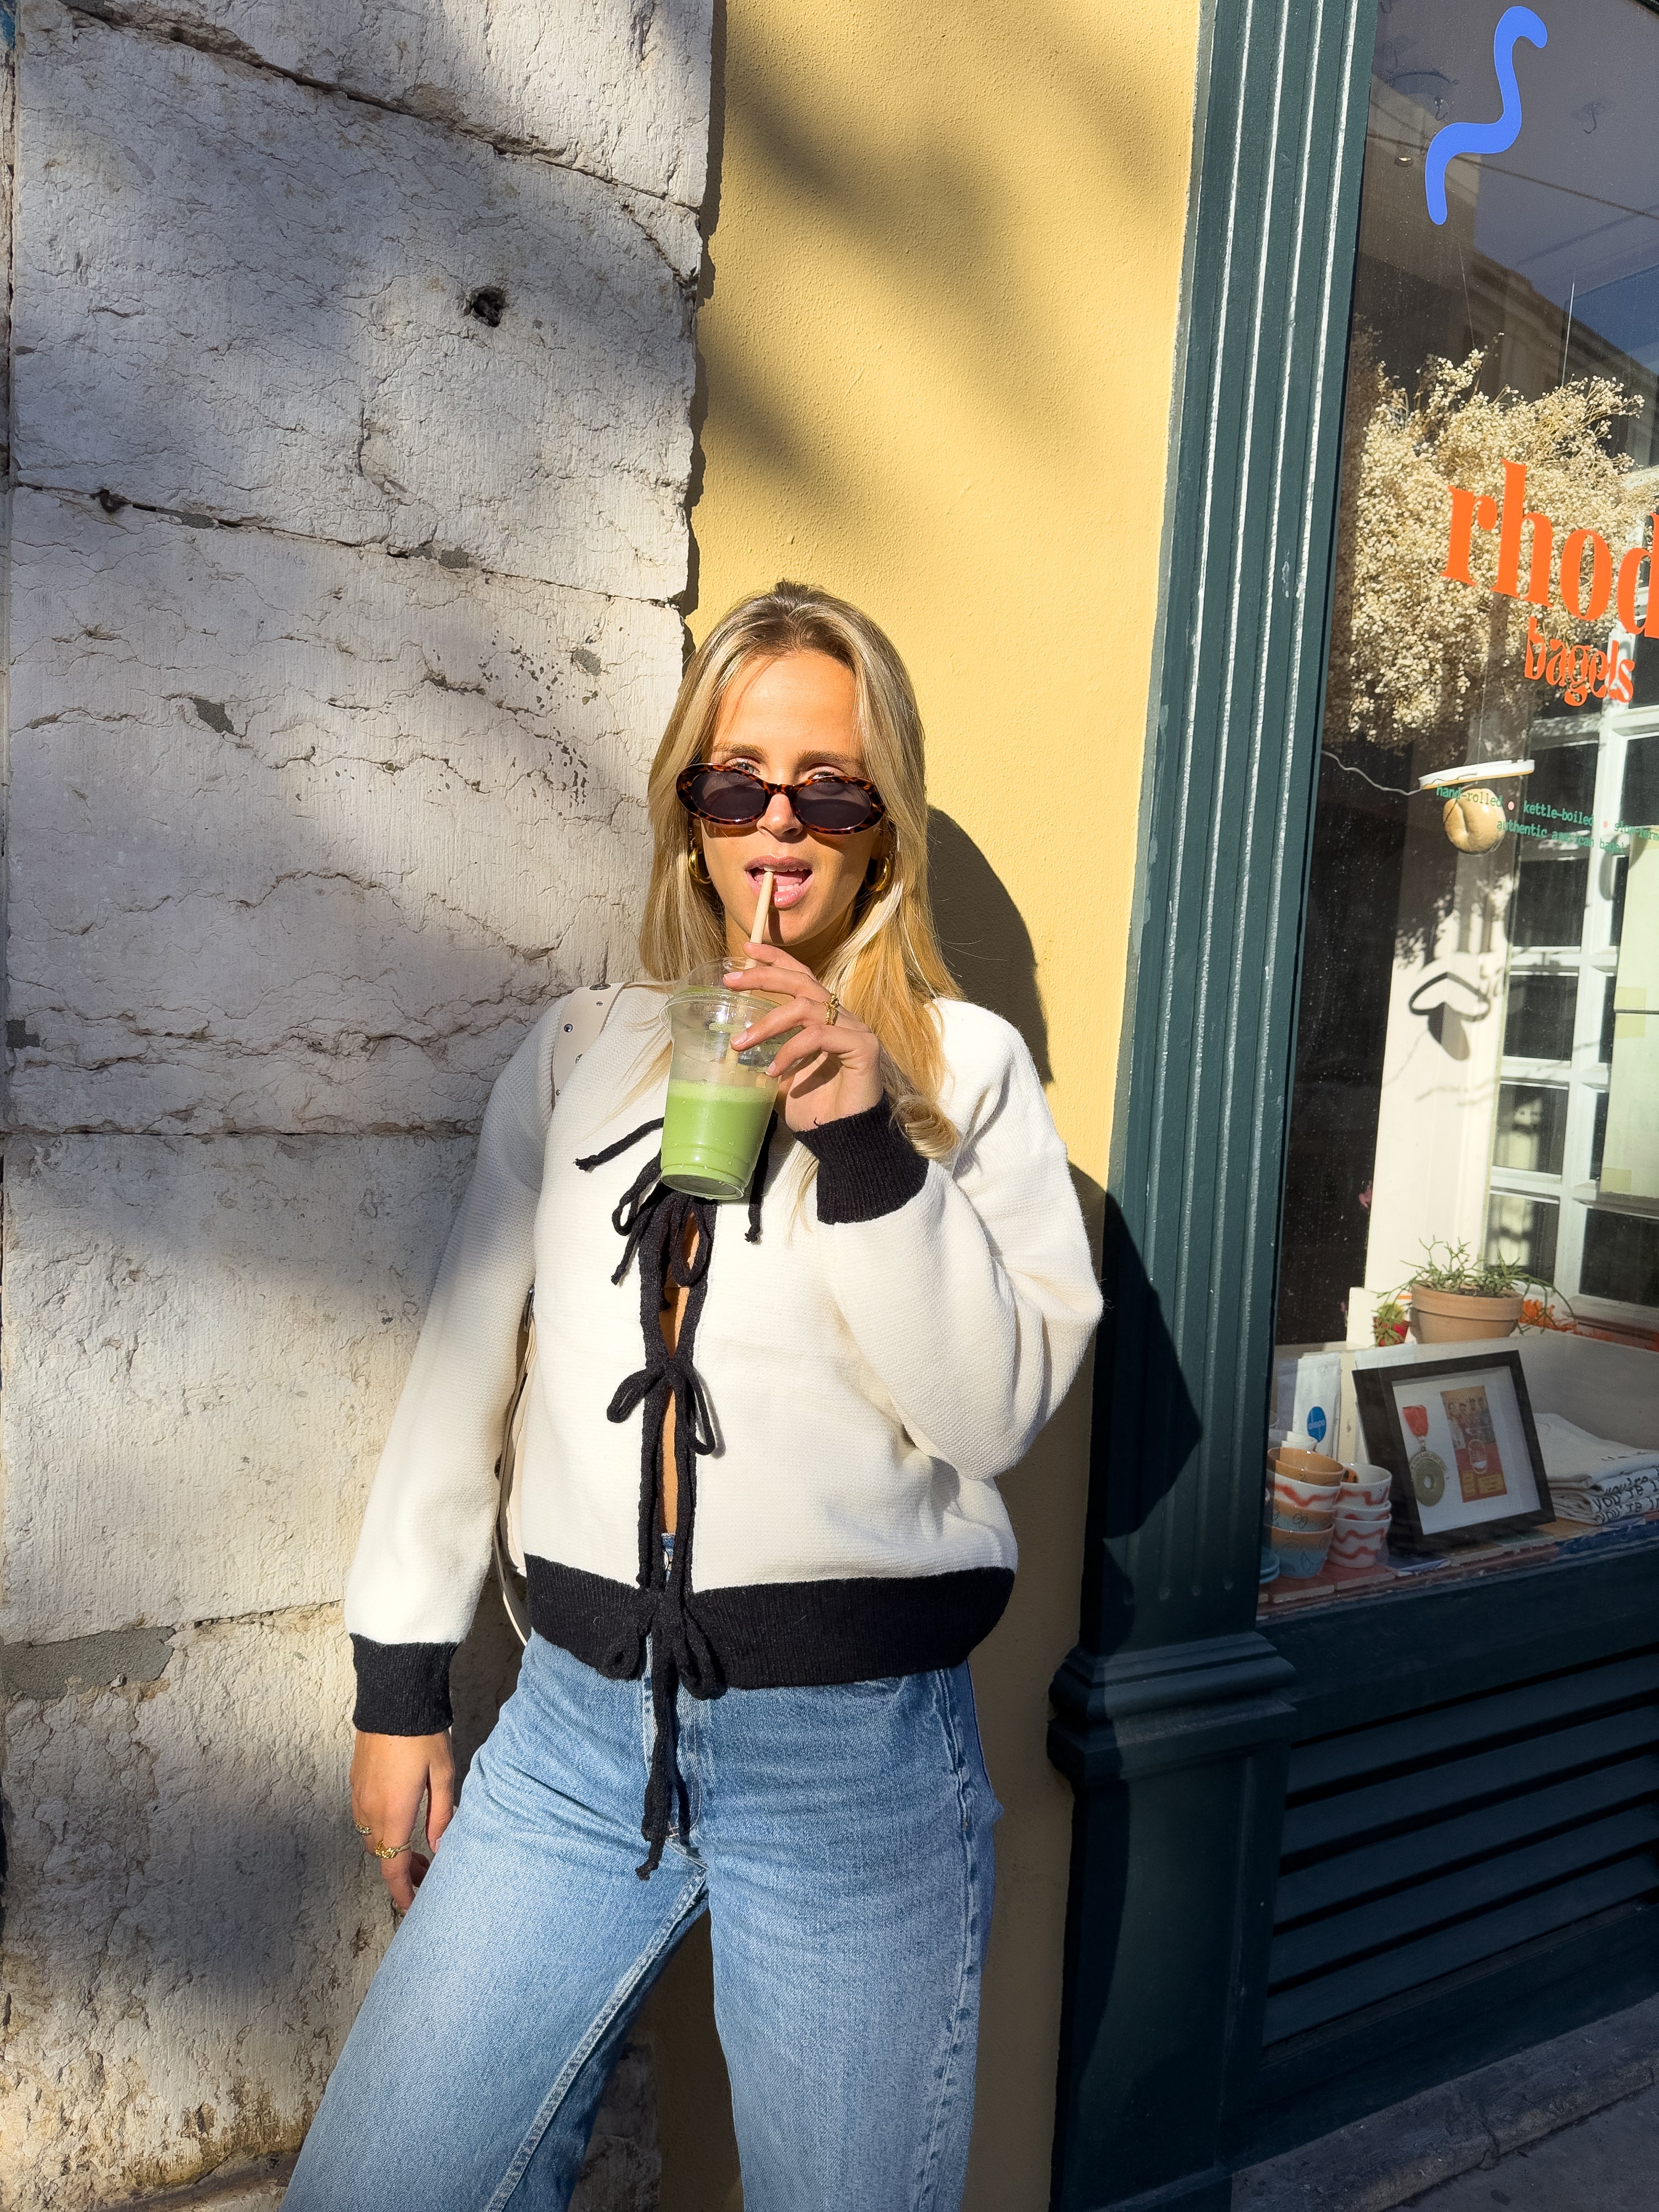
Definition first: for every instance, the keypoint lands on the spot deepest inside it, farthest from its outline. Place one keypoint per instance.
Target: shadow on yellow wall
(938, 340)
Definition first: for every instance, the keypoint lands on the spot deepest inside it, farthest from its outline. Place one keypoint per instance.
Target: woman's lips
(789, 885)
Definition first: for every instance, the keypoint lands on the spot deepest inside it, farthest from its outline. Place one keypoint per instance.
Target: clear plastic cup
(719, 1101)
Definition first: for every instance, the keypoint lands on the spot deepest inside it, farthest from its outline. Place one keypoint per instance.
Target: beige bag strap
(585, 1014)
(581, 1017)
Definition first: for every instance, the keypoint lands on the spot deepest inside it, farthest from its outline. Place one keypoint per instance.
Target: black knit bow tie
(671, 1235)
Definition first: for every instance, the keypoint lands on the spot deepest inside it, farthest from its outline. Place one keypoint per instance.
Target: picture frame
(1458, 1438)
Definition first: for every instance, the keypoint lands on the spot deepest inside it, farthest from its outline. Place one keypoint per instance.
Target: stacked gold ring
(831, 1011)
(380, 1850)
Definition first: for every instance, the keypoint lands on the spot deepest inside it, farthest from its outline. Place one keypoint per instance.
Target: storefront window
(1474, 1126)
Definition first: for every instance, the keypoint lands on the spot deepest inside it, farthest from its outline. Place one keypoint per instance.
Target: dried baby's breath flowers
(1414, 655)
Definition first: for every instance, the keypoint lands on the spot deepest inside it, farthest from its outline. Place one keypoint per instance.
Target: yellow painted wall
(938, 346)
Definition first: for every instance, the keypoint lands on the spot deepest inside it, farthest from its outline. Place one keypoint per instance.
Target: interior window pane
(1521, 1232)
(1604, 1049)
(1639, 803)
(1538, 1021)
(1562, 785)
(1646, 681)
(1621, 1258)
(1599, 1138)
(1549, 898)
(1532, 1127)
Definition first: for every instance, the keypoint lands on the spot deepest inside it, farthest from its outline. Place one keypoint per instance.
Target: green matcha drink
(712, 1135)
(720, 1100)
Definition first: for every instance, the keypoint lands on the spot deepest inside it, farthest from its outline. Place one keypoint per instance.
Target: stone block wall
(350, 439)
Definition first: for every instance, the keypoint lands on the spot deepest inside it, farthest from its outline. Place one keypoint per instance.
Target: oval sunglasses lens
(724, 797)
(835, 806)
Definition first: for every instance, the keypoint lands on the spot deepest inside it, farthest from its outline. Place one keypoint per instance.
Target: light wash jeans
(840, 1842)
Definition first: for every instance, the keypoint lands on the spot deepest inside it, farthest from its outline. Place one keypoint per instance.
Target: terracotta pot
(1461, 1316)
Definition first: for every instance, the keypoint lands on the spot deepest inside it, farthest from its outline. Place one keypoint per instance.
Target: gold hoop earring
(695, 867)
(882, 877)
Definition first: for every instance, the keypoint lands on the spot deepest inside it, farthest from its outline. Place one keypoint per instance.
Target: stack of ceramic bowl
(1361, 1533)
(1302, 1502)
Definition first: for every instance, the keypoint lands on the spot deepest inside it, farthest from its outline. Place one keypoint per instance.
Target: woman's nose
(778, 819)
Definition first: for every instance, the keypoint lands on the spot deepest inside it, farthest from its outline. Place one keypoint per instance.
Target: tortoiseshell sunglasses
(832, 806)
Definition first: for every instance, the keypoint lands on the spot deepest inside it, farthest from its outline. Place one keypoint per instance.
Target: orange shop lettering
(1579, 671)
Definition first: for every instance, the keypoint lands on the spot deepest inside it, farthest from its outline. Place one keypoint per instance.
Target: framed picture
(1458, 1437)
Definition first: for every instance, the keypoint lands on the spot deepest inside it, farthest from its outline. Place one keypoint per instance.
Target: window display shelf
(1401, 1578)
(1491, 1420)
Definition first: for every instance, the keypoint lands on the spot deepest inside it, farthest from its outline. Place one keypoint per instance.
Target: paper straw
(757, 934)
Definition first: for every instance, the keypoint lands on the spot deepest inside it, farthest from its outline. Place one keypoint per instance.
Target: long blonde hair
(888, 969)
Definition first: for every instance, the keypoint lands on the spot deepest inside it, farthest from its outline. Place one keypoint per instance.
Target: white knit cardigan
(891, 1344)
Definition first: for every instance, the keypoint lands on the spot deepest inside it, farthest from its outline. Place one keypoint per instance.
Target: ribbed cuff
(403, 1689)
(866, 1165)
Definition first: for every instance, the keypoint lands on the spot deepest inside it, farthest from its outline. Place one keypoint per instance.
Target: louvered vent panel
(1442, 1839)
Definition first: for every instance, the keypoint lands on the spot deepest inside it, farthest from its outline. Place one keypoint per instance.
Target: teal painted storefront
(1484, 1759)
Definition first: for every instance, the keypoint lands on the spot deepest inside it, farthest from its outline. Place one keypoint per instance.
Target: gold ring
(389, 1850)
(832, 1011)
(361, 1826)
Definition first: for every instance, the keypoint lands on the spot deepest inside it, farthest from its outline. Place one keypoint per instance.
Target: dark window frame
(1174, 1713)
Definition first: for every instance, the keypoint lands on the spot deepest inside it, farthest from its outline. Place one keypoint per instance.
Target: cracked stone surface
(190, 1928)
(303, 837)
(190, 1923)
(352, 372)
(209, 1340)
(619, 88)
(236, 295)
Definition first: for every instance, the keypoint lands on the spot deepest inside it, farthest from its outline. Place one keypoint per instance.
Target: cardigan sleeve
(425, 1544)
(968, 1287)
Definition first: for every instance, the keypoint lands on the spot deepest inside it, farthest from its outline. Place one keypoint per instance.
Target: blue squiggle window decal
(1513, 25)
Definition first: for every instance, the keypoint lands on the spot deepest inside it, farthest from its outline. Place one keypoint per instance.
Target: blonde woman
(759, 1508)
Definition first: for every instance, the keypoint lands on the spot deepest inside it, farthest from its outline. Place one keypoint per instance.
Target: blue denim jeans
(841, 1843)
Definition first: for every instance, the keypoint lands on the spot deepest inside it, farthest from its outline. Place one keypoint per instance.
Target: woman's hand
(831, 1069)
(390, 1775)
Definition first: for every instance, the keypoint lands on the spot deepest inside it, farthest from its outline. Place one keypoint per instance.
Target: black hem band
(867, 1166)
(403, 1689)
(778, 1636)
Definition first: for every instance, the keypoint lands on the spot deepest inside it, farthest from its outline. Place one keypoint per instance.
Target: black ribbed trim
(866, 1165)
(403, 1689)
(777, 1635)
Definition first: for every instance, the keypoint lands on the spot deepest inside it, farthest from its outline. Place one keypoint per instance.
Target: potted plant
(1454, 1300)
(1389, 1319)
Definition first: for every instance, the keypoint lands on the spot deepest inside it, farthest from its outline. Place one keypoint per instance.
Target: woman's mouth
(791, 880)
